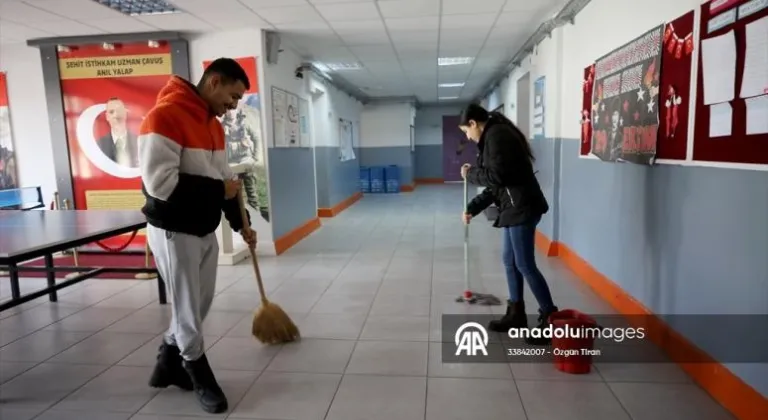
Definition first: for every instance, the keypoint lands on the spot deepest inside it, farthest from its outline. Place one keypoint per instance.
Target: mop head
(271, 325)
(479, 298)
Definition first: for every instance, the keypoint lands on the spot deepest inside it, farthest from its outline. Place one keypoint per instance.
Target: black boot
(208, 392)
(169, 370)
(540, 340)
(514, 318)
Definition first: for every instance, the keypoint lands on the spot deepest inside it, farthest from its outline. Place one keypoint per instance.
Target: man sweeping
(188, 184)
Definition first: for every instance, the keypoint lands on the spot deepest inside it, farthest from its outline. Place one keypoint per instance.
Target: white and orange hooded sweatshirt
(183, 163)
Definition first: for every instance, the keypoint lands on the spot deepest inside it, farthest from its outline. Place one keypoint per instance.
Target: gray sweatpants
(188, 265)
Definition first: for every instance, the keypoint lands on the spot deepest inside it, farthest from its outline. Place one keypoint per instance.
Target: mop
(469, 296)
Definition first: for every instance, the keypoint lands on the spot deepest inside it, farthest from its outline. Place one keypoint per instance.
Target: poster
(587, 109)
(539, 99)
(107, 90)
(675, 83)
(285, 118)
(626, 101)
(246, 146)
(8, 173)
(346, 142)
(304, 132)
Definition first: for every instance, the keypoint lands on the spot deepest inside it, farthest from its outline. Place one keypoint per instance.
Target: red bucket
(573, 339)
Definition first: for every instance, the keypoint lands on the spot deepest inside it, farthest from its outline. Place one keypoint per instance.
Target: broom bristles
(271, 325)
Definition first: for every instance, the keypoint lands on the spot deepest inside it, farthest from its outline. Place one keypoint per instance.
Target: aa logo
(470, 338)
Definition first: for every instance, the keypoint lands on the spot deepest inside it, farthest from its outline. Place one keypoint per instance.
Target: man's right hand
(231, 188)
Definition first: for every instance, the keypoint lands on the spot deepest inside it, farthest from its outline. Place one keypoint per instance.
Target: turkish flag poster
(107, 90)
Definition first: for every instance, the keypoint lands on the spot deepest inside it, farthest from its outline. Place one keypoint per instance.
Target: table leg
(161, 290)
(13, 274)
(50, 277)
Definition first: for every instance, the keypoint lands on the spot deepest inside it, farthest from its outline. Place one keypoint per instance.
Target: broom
(271, 325)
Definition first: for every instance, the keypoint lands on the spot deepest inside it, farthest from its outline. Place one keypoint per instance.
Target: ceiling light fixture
(448, 98)
(450, 85)
(344, 66)
(454, 61)
(140, 7)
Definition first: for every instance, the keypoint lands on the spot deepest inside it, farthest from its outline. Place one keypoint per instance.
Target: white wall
(29, 117)
(386, 125)
(330, 104)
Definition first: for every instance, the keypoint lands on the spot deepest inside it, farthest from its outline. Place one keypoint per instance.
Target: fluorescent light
(322, 67)
(448, 98)
(450, 85)
(140, 7)
(344, 66)
(454, 61)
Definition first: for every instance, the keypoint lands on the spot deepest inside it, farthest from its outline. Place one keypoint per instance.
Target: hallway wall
(678, 239)
(385, 137)
(336, 180)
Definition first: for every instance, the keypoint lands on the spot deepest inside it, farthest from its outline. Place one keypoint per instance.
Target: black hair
(228, 69)
(475, 112)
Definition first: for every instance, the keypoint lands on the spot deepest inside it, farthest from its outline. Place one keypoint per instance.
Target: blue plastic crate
(377, 179)
(365, 179)
(392, 179)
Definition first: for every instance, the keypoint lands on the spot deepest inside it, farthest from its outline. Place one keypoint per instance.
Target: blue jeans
(520, 263)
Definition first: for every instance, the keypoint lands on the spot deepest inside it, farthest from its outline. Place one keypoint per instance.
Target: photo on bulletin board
(346, 145)
(731, 120)
(675, 91)
(626, 94)
(8, 174)
(588, 110)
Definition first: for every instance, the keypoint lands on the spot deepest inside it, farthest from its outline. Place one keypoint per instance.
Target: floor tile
(9, 370)
(396, 328)
(44, 385)
(103, 348)
(348, 303)
(464, 398)
(437, 368)
(668, 402)
(397, 358)
(146, 355)
(40, 346)
(374, 397)
(546, 371)
(173, 401)
(643, 372)
(90, 319)
(235, 353)
(120, 388)
(331, 326)
(82, 415)
(313, 356)
(293, 396)
(148, 322)
(400, 305)
(545, 400)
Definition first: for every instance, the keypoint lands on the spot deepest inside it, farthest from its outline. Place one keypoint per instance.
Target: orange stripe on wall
(293, 237)
(729, 390)
(338, 208)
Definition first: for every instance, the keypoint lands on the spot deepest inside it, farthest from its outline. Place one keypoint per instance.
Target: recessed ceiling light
(450, 85)
(344, 66)
(448, 98)
(140, 7)
(454, 61)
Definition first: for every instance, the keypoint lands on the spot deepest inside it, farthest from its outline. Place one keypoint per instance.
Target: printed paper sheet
(719, 68)
(755, 82)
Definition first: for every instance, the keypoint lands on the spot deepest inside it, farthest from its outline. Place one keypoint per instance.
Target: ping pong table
(29, 235)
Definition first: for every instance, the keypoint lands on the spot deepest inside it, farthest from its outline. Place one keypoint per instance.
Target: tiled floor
(367, 291)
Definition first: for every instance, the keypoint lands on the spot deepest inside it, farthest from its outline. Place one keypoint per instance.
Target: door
(457, 150)
(524, 105)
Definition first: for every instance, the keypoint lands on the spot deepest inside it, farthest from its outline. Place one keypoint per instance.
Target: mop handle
(466, 238)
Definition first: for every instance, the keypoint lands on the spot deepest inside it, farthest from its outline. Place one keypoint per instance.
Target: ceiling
(394, 43)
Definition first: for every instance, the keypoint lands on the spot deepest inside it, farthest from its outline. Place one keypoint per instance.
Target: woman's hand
(466, 217)
(465, 169)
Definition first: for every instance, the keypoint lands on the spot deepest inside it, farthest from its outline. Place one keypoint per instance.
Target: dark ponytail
(475, 112)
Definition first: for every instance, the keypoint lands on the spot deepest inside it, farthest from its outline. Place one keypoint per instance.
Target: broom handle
(244, 217)
(466, 237)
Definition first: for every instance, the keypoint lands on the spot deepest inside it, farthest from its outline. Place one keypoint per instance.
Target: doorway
(524, 104)
(457, 150)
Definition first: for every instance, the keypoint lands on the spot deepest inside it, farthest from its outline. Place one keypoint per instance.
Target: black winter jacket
(507, 174)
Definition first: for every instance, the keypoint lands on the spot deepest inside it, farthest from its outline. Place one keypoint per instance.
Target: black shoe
(208, 392)
(514, 318)
(169, 370)
(543, 324)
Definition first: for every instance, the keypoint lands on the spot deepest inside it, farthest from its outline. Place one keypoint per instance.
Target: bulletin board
(731, 122)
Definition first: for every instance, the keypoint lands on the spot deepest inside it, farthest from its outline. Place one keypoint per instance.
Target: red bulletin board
(738, 147)
(587, 86)
(675, 86)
